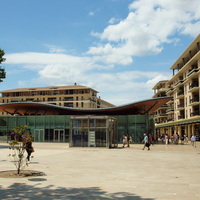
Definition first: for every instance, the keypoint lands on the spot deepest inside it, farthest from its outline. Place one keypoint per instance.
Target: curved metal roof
(32, 108)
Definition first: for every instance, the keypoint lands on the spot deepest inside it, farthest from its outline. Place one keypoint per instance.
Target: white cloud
(91, 13)
(55, 49)
(61, 69)
(22, 83)
(148, 26)
(114, 20)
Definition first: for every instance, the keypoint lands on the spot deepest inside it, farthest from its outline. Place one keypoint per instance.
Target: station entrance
(93, 131)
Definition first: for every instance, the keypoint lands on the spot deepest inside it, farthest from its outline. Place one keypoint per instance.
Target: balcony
(171, 110)
(181, 117)
(170, 102)
(69, 105)
(179, 82)
(51, 99)
(15, 100)
(169, 90)
(181, 106)
(194, 87)
(161, 115)
(180, 92)
(31, 100)
(195, 113)
(68, 99)
(192, 71)
(170, 120)
(194, 101)
(194, 84)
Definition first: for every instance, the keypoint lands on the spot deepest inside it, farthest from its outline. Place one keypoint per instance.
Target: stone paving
(163, 173)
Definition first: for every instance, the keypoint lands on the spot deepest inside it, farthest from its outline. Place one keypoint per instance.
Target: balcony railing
(195, 113)
(194, 100)
(170, 110)
(170, 89)
(68, 99)
(180, 92)
(195, 84)
(192, 71)
(51, 99)
(181, 117)
(181, 105)
(179, 82)
(162, 115)
(164, 106)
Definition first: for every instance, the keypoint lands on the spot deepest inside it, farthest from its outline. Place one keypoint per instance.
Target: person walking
(193, 140)
(124, 140)
(128, 141)
(146, 142)
(166, 139)
(186, 139)
(28, 146)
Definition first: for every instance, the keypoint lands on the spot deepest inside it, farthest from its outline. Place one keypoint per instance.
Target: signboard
(91, 139)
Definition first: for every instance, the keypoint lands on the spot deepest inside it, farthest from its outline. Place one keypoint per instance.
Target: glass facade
(93, 131)
(57, 128)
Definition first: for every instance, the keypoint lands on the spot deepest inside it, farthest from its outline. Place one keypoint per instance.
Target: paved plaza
(165, 172)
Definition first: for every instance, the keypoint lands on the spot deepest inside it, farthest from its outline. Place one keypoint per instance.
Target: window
(68, 99)
(68, 105)
(51, 99)
(71, 92)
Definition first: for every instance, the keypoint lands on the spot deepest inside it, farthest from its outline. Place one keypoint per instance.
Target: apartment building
(182, 115)
(76, 96)
(160, 89)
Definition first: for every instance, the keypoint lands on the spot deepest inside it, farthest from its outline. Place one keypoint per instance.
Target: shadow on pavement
(4, 147)
(22, 191)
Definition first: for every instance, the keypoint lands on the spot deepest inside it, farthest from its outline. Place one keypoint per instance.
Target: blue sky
(121, 48)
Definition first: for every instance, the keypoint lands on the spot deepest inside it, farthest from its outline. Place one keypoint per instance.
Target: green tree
(2, 70)
(18, 147)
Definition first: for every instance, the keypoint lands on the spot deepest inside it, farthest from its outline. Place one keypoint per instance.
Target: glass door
(39, 135)
(59, 135)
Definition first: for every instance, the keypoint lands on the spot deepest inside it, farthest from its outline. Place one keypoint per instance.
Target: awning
(34, 108)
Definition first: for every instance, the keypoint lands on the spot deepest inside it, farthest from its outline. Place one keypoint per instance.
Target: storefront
(104, 126)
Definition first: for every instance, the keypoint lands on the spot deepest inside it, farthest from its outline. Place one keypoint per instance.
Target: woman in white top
(193, 140)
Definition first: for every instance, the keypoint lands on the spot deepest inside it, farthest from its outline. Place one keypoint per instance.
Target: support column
(189, 134)
(179, 130)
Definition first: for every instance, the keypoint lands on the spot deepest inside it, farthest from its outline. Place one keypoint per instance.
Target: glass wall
(93, 131)
(57, 128)
(133, 125)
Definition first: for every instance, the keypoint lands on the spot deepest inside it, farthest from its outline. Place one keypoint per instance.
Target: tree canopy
(2, 70)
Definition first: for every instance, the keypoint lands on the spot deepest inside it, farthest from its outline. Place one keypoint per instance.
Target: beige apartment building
(160, 91)
(76, 96)
(181, 114)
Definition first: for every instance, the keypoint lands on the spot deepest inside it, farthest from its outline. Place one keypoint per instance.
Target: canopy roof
(32, 108)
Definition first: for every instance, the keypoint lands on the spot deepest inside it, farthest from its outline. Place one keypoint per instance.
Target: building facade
(77, 130)
(80, 126)
(182, 113)
(160, 116)
(75, 96)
